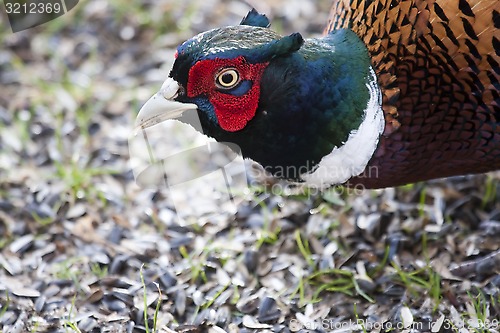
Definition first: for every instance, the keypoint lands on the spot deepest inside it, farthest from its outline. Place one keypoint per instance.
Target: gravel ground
(85, 249)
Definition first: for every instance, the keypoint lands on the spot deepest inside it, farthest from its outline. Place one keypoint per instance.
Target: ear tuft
(283, 46)
(255, 19)
(293, 42)
(274, 49)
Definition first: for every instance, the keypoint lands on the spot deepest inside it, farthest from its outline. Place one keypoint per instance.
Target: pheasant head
(307, 110)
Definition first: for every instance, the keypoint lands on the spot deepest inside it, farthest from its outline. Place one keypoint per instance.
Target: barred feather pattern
(437, 63)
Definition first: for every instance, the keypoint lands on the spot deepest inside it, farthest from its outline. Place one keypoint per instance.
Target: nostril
(181, 91)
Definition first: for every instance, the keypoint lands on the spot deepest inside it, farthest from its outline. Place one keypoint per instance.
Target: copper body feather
(438, 65)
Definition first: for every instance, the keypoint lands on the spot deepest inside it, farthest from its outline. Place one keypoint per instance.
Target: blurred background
(85, 249)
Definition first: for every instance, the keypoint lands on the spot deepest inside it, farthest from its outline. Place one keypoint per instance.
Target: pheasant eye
(227, 78)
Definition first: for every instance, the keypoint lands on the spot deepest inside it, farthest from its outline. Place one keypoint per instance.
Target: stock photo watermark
(31, 13)
(177, 156)
(362, 325)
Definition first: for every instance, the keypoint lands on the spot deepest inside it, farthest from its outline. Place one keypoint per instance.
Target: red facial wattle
(233, 111)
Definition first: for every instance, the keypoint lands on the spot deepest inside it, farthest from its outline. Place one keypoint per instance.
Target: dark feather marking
(463, 5)
(469, 30)
(439, 11)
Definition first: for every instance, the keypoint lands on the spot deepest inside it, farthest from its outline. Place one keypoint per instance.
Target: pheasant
(395, 92)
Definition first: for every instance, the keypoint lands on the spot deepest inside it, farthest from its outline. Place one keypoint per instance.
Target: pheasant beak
(162, 106)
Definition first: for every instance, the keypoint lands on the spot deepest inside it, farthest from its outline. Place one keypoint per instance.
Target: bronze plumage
(437, 63)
